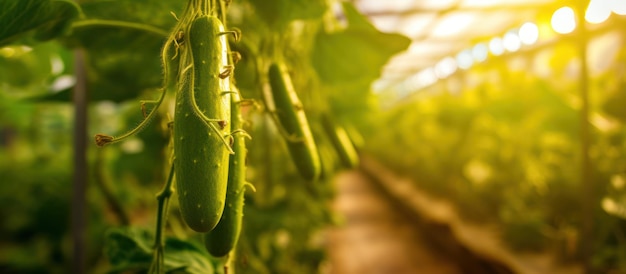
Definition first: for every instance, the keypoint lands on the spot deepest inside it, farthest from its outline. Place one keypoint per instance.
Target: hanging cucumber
(291, 117)
(223, 238)
(341, 142)
(200, 150)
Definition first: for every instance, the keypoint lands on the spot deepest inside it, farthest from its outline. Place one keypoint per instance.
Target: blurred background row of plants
(504, 142)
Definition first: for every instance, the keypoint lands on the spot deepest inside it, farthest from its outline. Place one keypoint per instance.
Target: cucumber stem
(103, 139)
(163, 199)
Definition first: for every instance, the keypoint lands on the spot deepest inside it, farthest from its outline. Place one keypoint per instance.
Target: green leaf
(50, 18)
(188, 256)
(279, 13)
(130, 249)
(122, 41)
(356, 53)
(349, 60)
(122, 62)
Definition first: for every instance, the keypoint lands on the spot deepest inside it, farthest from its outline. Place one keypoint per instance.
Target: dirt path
(379, 238)
(392, 227)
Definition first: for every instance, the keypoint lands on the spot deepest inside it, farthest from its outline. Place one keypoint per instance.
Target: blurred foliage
(123, 60)
(282, 221)
(278, 14)
(46, 18)
(508, 151)
(349, 60)
(129, 250)
(36, 190)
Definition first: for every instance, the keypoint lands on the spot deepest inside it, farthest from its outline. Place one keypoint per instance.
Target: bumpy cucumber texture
(201, 121)
(290, 114)
(223, 238)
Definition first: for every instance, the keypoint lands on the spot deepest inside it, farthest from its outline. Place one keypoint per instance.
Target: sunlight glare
(63, 82)
(437, 4)
(464, 59)
(480, 52)
(511, 41)
(529, 33)
(598, 11)
(453, 24)
(423, 78)
(618, 7)
(495, 46)
(563, 20)
(56, 64)
(445, 67)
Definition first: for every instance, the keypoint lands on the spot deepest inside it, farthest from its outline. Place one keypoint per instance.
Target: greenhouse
(313, 136)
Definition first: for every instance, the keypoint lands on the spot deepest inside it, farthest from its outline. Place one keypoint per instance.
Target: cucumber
(223, 238)
(290, 114)
(200, 153)
(341, 142)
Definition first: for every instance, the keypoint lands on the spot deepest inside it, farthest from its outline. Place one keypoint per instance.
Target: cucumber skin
(293, 119)
(223, 238)
(342, 143)
(200, 156)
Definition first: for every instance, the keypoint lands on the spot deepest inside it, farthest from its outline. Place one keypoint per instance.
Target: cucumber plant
(290, 117)
(223, 238)
(341, 141)
(200, 151)
(201, 122)
(196, 83)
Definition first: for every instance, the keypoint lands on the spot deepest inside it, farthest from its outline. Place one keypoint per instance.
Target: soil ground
(378, 237)
(391, 226)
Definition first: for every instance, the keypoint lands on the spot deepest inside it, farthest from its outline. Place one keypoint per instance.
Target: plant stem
(119, 24)
(163, 199)
(229, 267)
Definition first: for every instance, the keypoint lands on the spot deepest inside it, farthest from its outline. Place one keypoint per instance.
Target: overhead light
(454, 24)
(480, 3)
(464, 59)
(437, 4)
(563, 20)
(496, 47)
(422, 79)
(480, 52)
(529, 33)
(511, 41)
(415, 25)
(619, 7)
(445, 67)
(598, 11)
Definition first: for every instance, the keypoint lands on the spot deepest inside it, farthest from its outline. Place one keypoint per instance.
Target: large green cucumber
(200, 154)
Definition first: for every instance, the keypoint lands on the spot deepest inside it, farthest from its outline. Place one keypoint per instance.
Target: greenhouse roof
(451, 34)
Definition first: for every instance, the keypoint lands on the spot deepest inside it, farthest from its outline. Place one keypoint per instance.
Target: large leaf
(50, 18)
(130, 249)
(355, 54)
(121, 63)
(279, 13)
(122, 41)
